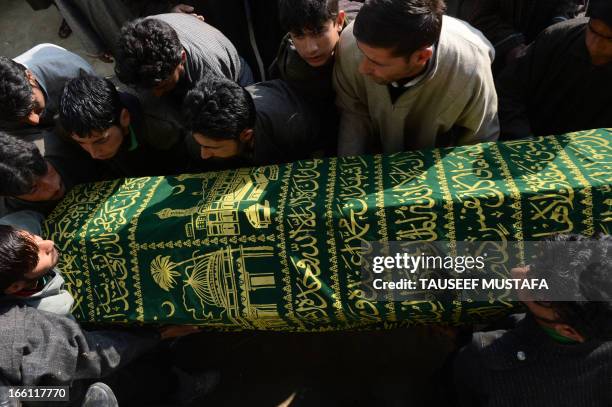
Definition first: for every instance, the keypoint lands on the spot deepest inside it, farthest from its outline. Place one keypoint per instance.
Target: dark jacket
(313, 84)
(287, 128)
(154, 145)
(526, 367)
(509, 23)
(251, 25)
(555, 88)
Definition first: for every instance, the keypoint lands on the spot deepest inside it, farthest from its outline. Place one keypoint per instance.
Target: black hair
(21, 164)
(297, 16)
(218, 108)
(580, 269)
(15, 91)
(89, 103)
(18, 255)
(403, 26)
(149, 50)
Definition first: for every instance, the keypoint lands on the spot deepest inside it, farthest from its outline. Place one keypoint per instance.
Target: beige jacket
(457, 93)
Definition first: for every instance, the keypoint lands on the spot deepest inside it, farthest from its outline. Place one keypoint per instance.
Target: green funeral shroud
(280, 247)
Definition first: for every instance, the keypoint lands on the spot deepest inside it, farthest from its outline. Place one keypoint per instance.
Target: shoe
(64, 30)
(100, 395)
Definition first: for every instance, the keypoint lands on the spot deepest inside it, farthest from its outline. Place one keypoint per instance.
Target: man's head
(93, 115)
(599, 32)
(396, 37)
(314, 27)
(574, 267)
(24, 258)
(150, 55)
(221, 117)
(21, 97)
(25, 174)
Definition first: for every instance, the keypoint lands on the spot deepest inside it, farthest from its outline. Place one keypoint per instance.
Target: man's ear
(340, 20)
(31, 78)
(246, 136)
(14, 288)
(124, 118)
(569, 332)
(424, 55)
(183, 56)
(32, 119)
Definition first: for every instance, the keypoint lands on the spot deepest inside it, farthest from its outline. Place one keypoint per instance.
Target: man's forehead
(164, 83)
(378, 55)
(92, 137)
(542, 311)
(313, 30)
(207, 141)
(31, 236)
(169, 80)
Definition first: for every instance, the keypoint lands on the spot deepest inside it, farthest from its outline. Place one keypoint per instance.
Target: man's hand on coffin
(186, 9)
(176, 331)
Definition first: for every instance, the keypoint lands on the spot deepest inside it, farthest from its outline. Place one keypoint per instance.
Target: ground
(22, 28)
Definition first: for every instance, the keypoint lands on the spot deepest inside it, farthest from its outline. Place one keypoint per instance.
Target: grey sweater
(52, 66)
(525, 367)
(287, 128)
(208, 50)
(41, 348)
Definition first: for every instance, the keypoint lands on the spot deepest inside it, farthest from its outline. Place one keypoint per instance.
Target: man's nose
(33, 118)
(600, 43)
(47, 245)
(519, 272)
(89, 149)
(311, 46)
(157, 92)
(205, 153)
(95, 153)
(364, 67)
(50, 184)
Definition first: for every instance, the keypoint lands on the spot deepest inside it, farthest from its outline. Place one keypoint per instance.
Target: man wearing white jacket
(409, 78)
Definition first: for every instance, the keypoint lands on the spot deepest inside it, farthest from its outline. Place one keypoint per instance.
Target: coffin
(280, 247)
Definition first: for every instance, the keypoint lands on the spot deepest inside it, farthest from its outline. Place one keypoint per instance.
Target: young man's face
(317, 47)
(168, 84)
(104, 145)
(49, 187)
(383, 67)
(48, 257)
(215, 148)
(544, 315)
(599, 42)
(38, 101)
(101, 145)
